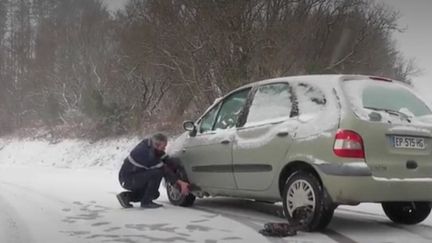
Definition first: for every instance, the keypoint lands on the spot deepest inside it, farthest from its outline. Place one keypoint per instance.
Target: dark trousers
(144, 185)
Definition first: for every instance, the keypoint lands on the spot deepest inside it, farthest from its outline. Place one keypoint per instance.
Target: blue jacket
(145, 155)
(141, 158)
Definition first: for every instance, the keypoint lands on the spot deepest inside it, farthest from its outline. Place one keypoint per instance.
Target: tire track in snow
(332, 234)
(52, 209)
(257, 224)
(336, 236)
(35, 192)
(380, 224)
(393, 225)
(361, 212)
(407, 229)
(11, 227)
(238, 219)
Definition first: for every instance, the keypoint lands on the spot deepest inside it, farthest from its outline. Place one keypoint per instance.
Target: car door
(262, 142)
(209, 153)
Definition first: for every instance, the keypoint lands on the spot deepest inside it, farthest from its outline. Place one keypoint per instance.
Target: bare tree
(72, 63)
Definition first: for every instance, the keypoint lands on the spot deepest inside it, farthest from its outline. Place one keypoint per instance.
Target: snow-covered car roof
(328, 78)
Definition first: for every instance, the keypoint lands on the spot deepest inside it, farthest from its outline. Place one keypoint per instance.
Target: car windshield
(386, 96)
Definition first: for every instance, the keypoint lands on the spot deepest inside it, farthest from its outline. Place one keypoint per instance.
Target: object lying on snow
(300, 216)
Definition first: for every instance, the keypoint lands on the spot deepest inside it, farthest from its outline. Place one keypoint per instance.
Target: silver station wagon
(314, 142)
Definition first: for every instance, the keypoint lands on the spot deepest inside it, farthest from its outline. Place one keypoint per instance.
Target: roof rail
(380, 79)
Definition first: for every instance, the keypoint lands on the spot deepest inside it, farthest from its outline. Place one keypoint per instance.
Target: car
(314, 142)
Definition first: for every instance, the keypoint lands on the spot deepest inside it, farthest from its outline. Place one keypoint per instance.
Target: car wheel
(306, 203)
(176, 198)
(407, 212)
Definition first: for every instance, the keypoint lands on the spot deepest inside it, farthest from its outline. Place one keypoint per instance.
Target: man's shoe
(123, 198)
(150, 205)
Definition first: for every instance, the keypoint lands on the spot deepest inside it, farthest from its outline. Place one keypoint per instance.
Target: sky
(416, 39)
(115, 4)
(415, 42)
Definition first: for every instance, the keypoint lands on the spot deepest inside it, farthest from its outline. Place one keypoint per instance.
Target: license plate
(408, 142)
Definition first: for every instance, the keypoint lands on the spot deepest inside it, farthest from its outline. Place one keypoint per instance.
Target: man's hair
(159, 137)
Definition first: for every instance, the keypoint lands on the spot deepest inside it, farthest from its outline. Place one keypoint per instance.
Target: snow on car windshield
(385, 96)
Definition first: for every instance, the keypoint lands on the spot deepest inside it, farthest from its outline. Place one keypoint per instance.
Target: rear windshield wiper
(391, 112)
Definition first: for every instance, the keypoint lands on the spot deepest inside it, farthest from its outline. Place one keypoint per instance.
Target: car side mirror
(190, 126)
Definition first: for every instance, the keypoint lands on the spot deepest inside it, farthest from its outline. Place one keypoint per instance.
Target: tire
(302, 190)
(407, 212)
(176, 198)
(173, 191)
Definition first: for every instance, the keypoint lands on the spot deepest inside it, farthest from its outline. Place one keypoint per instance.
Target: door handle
(282, 134)
(225, 142)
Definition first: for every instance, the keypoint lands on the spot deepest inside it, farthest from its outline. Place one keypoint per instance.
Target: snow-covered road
(42, 204)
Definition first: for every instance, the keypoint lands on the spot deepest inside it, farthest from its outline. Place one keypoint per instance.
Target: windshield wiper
(391, 112)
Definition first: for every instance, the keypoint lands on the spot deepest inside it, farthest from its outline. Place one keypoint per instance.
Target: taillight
(348, 144)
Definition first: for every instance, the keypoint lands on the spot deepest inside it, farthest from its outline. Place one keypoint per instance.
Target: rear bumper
(357, 189)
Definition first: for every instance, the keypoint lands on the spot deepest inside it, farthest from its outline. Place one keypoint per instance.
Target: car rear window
(385, 96)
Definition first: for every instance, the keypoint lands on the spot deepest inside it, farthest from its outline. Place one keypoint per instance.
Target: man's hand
(184, 187)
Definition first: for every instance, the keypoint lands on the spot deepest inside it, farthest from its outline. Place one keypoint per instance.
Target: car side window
(231, 110)
(311, 100)
(271, 102)
(208, 120)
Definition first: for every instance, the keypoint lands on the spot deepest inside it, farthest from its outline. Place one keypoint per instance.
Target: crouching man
(142, 172)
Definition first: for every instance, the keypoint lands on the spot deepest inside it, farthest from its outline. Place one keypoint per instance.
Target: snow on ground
(64, 205)
(69, 153)
(65, 192)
